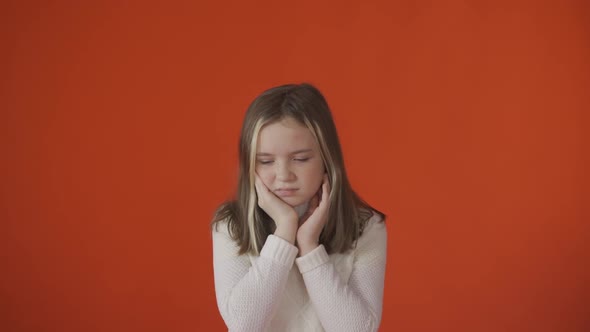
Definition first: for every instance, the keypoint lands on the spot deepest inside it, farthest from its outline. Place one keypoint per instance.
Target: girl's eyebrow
(265, 154)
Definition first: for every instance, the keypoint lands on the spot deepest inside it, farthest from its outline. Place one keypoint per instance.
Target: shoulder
(373, 219)
(221, 232)
(374, 230)
(224, 216)
(224, 221)
(220, 226)
(224, 245)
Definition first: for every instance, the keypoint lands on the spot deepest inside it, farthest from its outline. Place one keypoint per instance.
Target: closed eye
(265, 162)
(301, 159)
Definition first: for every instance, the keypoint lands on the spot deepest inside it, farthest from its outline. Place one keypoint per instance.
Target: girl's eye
(265, 162)
(301, 159)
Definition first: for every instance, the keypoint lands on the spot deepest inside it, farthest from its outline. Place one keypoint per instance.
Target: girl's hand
(284, 216)
(314, 220)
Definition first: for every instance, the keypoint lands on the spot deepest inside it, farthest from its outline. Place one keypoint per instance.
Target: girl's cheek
(266, 178)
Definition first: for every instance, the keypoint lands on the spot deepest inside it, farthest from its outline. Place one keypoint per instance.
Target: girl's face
(289, 162)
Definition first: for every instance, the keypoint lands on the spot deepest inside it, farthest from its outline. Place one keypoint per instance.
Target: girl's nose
(283, 172)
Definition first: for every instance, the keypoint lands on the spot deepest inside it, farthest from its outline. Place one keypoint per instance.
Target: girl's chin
(293, 201)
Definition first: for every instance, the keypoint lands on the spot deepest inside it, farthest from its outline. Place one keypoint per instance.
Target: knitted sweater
(276, 291)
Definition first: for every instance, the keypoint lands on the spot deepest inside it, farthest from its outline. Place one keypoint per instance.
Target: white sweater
(338, 292)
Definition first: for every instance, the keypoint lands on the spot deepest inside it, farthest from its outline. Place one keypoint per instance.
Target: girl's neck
(301, 209)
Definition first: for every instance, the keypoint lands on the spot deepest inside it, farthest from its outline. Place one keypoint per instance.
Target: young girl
(298, 249)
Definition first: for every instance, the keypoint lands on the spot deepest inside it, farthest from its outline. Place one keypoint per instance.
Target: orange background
(464, 121)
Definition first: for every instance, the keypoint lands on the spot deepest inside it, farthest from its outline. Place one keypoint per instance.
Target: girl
(298, 249)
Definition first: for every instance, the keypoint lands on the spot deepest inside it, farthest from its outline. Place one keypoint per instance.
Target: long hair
(247, 223)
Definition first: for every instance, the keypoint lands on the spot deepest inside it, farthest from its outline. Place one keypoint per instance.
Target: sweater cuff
(279, 250)
(313, 259)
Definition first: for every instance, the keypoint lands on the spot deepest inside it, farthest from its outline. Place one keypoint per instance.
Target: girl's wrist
(306, 247)
(287, 233)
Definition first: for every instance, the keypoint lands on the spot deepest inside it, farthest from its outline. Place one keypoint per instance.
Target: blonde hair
(247, 223)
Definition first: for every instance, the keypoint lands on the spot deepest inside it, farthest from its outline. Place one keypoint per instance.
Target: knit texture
(321, 292)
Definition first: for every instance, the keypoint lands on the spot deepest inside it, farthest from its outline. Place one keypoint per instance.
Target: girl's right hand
(284, 216)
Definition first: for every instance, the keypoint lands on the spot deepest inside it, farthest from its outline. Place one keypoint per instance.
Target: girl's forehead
(284, 136)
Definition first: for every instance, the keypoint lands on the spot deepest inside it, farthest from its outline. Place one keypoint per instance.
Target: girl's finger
(260, 186)
(325, 189)
(313, 203)
(256, 179)
(257, 187)
(325, 192)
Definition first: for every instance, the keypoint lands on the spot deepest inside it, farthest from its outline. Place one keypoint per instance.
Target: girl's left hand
(314, 220)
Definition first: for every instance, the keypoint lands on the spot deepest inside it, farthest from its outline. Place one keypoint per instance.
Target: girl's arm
(248, 292)
(355, 305)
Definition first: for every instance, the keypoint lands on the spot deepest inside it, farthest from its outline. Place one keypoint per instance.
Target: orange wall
(463, 121)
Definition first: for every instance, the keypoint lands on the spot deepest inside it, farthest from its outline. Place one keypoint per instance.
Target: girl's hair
(247, 223)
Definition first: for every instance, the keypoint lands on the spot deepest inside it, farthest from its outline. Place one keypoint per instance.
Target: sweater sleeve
(249, 291)
(356, 305)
